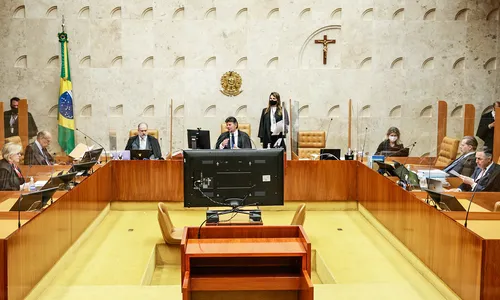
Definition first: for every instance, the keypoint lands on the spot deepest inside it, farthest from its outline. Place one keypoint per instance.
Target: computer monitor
(444, 201)
(404, 174)
(233, 177)
(329, 154)
(136, 154)
(56, 181)
(404, 152)
(82, 168)
(33, 201)
(198, 139)
(91, 155)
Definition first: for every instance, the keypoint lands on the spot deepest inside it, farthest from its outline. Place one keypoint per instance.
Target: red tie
(17, 171)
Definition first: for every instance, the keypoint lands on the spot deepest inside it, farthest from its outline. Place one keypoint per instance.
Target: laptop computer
(82, 168)
(33, 201)
(120, 155)
(404, 174)
(432, 184)
(329, 154)
(444, 201)
(141, 154)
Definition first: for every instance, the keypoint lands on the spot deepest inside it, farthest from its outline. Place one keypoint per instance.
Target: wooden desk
(248, 259)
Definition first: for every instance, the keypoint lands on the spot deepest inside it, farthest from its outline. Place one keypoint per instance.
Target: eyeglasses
(18, 154)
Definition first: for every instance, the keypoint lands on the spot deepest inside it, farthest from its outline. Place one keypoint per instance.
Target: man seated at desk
(143, 141)
(466, 163)
(233, 138)
(36, 153)
(486, 176)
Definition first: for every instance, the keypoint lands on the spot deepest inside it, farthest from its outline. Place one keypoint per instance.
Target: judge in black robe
(134, 143)
(486, 127)
(274, 110)
(241, 139)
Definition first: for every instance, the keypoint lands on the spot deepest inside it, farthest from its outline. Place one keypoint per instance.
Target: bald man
(36, 153)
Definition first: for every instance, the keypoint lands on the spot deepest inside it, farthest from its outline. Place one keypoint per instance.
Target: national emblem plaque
(231, 84)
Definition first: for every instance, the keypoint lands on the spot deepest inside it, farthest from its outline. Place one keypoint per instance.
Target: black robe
(484, 132)
(385, 149)
(9, 180)
(243, 140)
(151, 143)
(32, 129)
(265, 133)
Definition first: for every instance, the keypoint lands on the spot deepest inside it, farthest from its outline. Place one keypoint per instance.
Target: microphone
(364, 142)
(474, 190)
(328, 131)
(409, 151)
(105, 153)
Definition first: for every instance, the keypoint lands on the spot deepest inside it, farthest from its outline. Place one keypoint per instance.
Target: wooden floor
(112, 261)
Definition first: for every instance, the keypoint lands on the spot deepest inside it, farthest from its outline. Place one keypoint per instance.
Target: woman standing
(271, 115)
(10, 175)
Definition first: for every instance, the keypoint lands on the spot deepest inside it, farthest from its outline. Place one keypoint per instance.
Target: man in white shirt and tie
(233, 138)
(485, 177)
(466, 163)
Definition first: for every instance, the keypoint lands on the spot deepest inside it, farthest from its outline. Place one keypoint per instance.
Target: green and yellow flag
(65, 117)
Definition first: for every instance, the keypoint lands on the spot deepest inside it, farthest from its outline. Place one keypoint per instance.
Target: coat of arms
(231, 84)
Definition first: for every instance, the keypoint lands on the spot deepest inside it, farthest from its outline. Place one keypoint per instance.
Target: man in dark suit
(486, 177)
(10, 119)
(486, 128)
(466, 163)
(36, 153)
(233, 138)
(143, 141)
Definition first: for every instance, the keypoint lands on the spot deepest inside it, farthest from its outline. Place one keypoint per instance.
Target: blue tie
(232, 141)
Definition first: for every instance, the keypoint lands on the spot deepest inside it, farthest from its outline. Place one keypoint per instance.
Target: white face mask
(393, 138)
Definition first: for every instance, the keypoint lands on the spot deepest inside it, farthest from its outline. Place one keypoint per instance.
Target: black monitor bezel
(201, 135)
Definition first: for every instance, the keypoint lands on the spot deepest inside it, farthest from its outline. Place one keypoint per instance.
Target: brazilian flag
(65, 117)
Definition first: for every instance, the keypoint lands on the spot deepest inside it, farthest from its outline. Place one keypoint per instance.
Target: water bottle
(269, 146)
(32, 184)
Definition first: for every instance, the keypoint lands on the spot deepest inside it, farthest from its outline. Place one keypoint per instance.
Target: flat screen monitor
(404, 174)
(233, 177)
(82, 167)
(56, 181)
(198, 139)
(404, 152)
(33, 201)
(444, 201)
(136, 154)
(91, 155)
(329, 154)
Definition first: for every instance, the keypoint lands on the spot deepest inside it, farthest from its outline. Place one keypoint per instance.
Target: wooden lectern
(246, 262)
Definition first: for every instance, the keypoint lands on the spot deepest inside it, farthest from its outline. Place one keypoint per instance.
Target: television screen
(91, 155)
(233, 177)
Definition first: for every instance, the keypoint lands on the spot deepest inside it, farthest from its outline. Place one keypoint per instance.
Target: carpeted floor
(112, 262)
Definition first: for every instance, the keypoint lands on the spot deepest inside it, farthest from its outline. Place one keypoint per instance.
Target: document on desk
(279, 128)
(453, 172)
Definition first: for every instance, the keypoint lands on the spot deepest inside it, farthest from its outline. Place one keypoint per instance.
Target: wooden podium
(246, 262)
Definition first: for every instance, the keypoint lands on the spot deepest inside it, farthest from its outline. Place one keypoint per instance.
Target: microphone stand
(328, 131)
(474, 190)
(105, 153)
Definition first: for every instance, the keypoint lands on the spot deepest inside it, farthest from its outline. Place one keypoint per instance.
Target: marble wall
(129, 58)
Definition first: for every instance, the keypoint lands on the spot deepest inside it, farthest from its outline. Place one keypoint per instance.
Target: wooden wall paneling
(23, 122)
(434, 238)
(324, 180)
(3, 269)
(148, 180)
(469, 119)
(490, 283)
(442, 123)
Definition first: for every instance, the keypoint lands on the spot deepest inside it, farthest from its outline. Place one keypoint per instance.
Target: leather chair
(310, 143)
(300, 215)
(151, 132)
(245, 127)
(171, 235)
(448, 152)
(497, 206)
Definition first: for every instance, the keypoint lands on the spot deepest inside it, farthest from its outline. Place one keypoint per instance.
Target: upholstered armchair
(152, 132)
(448, 152)
(310, 143)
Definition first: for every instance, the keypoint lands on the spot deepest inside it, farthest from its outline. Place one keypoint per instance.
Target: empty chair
(171, 235)
(448, 152)
(300, 215)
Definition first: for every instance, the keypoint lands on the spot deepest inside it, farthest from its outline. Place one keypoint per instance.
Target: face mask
(15, 110)
(393, 138)
(273, 102)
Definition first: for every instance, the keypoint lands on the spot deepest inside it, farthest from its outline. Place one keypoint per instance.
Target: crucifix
(325, 41)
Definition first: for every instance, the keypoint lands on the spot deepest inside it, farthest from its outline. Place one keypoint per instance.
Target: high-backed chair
(310, 143)
(151, 132)
(171, 235)
(300, 215)
(497, 206)
(245, 127)
(448, 152)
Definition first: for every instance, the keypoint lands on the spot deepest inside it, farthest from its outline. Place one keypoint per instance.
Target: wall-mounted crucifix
(325, 41)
